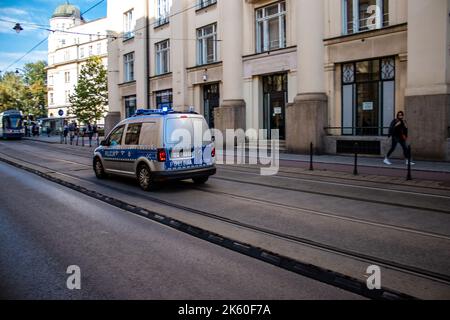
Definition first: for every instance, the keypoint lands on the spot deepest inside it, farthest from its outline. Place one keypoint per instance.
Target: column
(114, 100)
(427, 100)
(231, 113)
(178, 48)
(307, 116)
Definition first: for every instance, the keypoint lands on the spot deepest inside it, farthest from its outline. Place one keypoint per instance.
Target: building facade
(328, 72)
(69, 47)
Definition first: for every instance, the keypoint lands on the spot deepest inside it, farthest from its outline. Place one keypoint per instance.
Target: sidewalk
(373, 162)
(57, 140)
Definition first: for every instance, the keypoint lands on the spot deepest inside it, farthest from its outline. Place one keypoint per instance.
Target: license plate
(181, 155)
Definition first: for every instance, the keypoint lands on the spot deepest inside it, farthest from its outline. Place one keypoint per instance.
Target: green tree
(90, 99)
(35, 96)
(26, 92)
(12, 89)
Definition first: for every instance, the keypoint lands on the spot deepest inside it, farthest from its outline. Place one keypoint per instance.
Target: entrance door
(211, 100)
(275, 97)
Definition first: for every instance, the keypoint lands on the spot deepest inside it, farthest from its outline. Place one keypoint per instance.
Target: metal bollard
(355, 168)
(409, 175)
(311, 153)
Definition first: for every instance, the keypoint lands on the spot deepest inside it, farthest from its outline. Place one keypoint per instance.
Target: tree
(35, 97)
(12, 90)
(89, 101)
(26, 92)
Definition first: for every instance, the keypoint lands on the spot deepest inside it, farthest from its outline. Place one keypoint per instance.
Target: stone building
(330, 72)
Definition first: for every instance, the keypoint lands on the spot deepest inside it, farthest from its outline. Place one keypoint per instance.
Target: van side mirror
(104, 143)
(213, 138)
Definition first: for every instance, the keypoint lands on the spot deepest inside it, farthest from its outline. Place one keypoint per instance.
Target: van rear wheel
(200, 180)
(144, 178)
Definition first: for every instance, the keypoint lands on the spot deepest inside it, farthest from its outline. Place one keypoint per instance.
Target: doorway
(211, 100)
(275, 97)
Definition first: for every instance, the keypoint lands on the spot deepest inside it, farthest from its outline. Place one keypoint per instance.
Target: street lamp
(17, 28)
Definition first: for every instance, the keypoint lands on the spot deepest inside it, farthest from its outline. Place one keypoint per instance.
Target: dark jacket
(398, 130)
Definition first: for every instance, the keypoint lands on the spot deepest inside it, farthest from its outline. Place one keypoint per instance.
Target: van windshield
(183, 130)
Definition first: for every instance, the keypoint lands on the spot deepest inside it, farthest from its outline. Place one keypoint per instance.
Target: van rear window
(183, 128)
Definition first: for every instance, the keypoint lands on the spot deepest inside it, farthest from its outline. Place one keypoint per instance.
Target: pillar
(307, 116)
(231, 113)
(427, 101)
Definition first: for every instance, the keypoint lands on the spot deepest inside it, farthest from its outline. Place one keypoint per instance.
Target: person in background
(90, 132)
(65, 132)
(398, 130)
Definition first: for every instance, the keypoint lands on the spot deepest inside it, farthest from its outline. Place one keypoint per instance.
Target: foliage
(90, 99)
(25, 91)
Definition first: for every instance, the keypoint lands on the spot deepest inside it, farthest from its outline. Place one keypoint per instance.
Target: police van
(156, 146)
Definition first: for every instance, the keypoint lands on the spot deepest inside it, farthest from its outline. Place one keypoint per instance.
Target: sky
(13, 45)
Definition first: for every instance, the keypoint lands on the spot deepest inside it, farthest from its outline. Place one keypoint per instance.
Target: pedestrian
(77, 132)
(72, 132)
(95, 132)
(65, 132)
(90, 132)
(398, 130)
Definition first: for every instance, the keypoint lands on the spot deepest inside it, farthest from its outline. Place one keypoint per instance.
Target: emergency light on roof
(146, 112)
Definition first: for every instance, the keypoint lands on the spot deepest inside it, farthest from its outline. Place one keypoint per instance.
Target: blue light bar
(147, 112)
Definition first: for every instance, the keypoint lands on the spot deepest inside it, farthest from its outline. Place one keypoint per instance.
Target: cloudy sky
(13, 45)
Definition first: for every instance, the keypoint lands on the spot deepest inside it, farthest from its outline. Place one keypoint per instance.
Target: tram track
(271, 203)
(329, 194)
(415, 271)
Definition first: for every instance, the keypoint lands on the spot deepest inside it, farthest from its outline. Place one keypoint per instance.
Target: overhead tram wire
(26, 54)
(46, 27)
(43, 40)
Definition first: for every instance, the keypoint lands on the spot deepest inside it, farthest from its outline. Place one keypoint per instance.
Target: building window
(163, 12)
(67, 96)
(99, 48)
(364, 15)
(130, 106)
(271, 27)
(90, 51)
(66, 55)
(368, 97)
(51, 99)
(50, 80)
(128, 61)
(67, 77)
(162, 57)
(205, 3)
(129, 24)
(164, 99)
(81, 52)
(207, 44)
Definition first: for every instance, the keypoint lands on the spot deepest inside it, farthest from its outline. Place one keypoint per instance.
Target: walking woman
(399, 133)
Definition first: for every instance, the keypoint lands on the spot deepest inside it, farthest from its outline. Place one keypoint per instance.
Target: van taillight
(213, 152)
(162, 155)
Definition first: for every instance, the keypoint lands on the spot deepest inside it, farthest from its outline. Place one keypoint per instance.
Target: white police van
(156, 146)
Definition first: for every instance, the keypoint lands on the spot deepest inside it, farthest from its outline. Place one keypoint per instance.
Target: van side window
(150, 134)
(115, 139)
(133, 133)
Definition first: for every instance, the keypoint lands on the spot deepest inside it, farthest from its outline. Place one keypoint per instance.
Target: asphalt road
(326, 219)
(44, 228)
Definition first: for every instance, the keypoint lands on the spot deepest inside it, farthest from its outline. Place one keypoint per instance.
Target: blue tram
(11, 125)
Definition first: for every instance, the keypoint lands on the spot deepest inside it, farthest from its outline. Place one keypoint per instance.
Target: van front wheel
(144, 178)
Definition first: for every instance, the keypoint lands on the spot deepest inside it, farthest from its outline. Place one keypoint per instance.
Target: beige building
(69, 47)
(330, 72)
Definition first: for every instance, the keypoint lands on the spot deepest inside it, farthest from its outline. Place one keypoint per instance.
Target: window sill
(162, 75)
(204, 8)
(127, 83)
(128, 39)
(367, 34)
(202, 66)
(161, 24)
